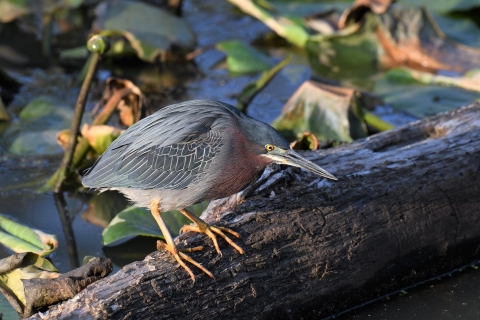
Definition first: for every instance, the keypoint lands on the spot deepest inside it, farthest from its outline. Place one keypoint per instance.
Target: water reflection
(67, 229)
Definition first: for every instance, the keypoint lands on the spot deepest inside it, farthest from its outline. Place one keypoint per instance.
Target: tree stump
(406, 208)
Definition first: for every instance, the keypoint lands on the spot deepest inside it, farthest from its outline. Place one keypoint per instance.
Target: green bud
(99, 44)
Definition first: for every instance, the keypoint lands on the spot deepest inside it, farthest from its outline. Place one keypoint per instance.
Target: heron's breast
(238, 166)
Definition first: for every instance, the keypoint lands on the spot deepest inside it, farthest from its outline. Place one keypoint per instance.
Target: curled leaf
(308, 141)
(21, 238)
(100, 137)
(30, 282)
(360, 8)
(128, 98)
(410, 37)
(329, 112)
(18, 267)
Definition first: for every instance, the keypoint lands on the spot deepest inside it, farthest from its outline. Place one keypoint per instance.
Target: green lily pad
(34, 143)
(135, 221)
(12, 9)
(329, 112)
(463, 30)
(242, 58)
(103, 207)
(444, 5)
(131, 222)
(35, 133)
(21, 238)
(405, 94)
(149, 29)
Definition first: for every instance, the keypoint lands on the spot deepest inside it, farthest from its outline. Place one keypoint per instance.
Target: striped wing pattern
(173, 166)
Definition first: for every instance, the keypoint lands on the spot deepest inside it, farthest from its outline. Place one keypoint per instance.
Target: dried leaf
(30, 282)
(130, 104)
(308, 141)
(17, 267)
(62, 138)
(360, 8)
(410, 37)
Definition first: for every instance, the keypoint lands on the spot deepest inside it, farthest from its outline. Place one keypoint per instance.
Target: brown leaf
(360, 8)
(410, 37)
(130, 106)
(62, 138)
(307, 142)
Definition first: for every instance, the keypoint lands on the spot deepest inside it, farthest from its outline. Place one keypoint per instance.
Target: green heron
(187, 153)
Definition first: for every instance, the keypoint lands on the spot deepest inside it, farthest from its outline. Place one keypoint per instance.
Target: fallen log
(406, 208)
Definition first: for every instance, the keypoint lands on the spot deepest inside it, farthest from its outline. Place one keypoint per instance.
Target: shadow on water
(455, 295)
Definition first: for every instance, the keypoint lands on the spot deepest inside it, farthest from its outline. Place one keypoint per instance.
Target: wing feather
(165, 152)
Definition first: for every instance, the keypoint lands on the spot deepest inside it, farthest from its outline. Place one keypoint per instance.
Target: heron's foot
(180, 256)
(210, 231)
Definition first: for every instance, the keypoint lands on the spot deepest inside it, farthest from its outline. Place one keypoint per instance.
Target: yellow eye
(269, 147)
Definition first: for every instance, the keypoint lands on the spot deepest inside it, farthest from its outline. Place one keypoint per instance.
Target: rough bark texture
(406, 208)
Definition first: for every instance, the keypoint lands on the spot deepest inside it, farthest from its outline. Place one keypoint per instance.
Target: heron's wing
(172, 166)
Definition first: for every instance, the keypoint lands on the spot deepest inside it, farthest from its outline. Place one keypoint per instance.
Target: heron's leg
(170, 245)
(203, 227)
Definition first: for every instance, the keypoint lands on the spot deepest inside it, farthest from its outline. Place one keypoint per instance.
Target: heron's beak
(292, 158)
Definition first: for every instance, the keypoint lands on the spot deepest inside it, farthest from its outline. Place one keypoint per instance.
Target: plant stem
(77, 119)
(83, 145)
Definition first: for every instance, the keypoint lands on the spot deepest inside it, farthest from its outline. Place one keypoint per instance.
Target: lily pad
(35, 133)
(21, 238)
(135, 221)
(34, 143)
(407, 94)
(12, 9)
(150, 30)
(444, 6)
(242, 58)
(329, 112)
(103, 207)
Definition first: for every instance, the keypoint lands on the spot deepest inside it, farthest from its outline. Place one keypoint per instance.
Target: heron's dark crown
(256, 131)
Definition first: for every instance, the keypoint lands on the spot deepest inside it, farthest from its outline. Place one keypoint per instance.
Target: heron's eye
(269, 147)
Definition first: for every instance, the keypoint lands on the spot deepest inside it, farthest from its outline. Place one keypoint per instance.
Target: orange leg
(170, 245)
(203, 227)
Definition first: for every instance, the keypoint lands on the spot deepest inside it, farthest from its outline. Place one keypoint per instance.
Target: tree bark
(405, 209)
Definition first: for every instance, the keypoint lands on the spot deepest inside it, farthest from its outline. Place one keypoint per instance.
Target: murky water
(453, 296)
(79, 230)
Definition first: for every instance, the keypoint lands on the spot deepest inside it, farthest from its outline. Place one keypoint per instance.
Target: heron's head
(272, 145)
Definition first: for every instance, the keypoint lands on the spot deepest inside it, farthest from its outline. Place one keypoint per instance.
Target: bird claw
(180, 256)
(210, 232)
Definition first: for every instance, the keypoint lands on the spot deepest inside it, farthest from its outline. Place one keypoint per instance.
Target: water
(453, 296)
(456, 296)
